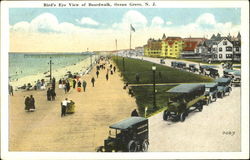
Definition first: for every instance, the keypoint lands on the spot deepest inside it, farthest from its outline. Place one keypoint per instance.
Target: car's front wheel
(166, 114)
(182, 117)
(132, 146)
(144, 146)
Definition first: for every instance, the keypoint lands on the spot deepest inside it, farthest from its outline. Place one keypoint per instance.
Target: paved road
(201, 131)
(168, 62)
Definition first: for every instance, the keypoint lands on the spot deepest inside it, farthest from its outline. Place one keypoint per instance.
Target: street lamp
(50, 68)
(154, 98)
(123, 64)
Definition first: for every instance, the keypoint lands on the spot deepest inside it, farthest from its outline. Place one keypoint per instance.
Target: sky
(76, 29)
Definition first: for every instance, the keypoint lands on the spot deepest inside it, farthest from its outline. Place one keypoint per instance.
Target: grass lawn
(144, 98)
(163, 74)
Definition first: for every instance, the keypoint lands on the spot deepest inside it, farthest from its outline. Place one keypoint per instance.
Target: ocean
(26, 64)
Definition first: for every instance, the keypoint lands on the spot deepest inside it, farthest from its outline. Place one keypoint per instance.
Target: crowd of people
(66, 83)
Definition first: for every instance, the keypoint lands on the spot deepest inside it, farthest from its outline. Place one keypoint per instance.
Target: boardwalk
(45, 130)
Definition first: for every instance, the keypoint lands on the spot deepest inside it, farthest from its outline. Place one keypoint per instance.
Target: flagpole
(130, 41)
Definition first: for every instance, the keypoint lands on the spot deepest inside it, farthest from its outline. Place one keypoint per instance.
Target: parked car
(129, 135)
(162, 61)
(236, 81)
(209, 70)
(211, 92)
(224, 86)
(192, 68)
(184, 99)
(235, 75)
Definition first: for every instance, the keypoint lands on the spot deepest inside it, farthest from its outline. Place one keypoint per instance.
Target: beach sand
(86, 129)
(79, 67)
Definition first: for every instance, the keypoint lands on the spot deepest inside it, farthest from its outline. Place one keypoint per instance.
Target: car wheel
(208, 101)
(166, 115)
(182, 117)
(132, 146)
(144, 146)
(100, 149)
(200, 108)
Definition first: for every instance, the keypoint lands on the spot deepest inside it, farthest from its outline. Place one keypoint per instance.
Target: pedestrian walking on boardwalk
(134, 113)
(93, 81)
(74, 83)
(107, 76)
(49, 94)
(65, 88)
(53, 94)
(27, 103)
(68, 86)
(114, 68)
(97, 73)
(53, 83)
(111, 72)
(84, 84)
(79, 86)
(64, 105)
(11, 90)
(32, 103)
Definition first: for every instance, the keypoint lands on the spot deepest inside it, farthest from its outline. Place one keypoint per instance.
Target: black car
(129, 135)
(224, 86)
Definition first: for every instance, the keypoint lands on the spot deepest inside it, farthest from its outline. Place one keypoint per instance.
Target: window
(229, 56)
(228, 48)
(215, 56)
(237, 49)
(220, 49)
(214, 49)
(220, 55)
(224, 42)
(175, 49)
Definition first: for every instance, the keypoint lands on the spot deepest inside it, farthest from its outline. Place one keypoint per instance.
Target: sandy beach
(45, 130)
(79, 67)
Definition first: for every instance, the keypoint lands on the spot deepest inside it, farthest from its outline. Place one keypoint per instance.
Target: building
(190, 47)
(153, 48)
(223, 51)
(171, 47)
(219, 48)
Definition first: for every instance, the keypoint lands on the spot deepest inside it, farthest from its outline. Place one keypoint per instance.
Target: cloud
(157, 21)
(87, 21)
(133, 17)
(169, 23)
(206, 20)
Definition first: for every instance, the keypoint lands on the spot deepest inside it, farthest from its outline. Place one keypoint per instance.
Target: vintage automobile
(174, 64)
(129, 135)
(211, 92)
(162, 61)
(209, 70)
(224, 86)
(236, 81)
(184, 99)
(192, 68)
(235, 75)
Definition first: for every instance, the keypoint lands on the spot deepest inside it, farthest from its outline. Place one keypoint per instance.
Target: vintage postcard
(101, 79)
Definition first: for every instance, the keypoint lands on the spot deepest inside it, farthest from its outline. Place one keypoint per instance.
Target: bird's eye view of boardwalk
(124, 80)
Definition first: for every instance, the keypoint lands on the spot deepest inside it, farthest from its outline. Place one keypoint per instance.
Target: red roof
(171, 40)
(190, 45)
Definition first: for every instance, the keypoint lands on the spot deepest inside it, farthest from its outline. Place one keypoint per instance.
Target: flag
(132, 28)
